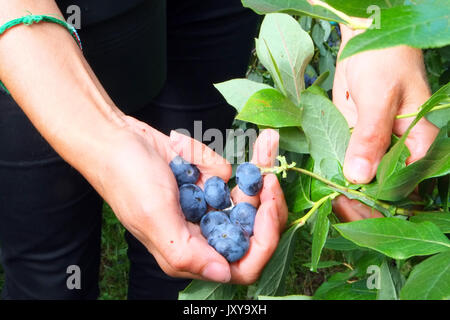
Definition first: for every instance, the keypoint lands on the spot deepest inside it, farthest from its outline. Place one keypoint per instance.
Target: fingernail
(359, 170)
(217, 272)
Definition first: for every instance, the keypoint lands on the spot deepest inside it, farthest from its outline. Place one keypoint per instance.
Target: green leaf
(298, 191)
(387, 289)
(320, 233)
(267, 59)
(327, 63)
(439, 118)
(424, 25)
(332, 170)
(322, 78)
(291, 297)
(293, 139)
(305, 23)
(389, 163)
(323, 264)
(341, 244)
(237, 91)
(325, 127)
(317, 36)
(337, 288)
(442, 220)
(399, 185)
(272, 280)
(335, 281)
(396, 238)
(401, 163)
(358, 8)
(319, 190)
(297, 195)
(268, 107)
(429, 280)
(288, 6)
(204, 290)
(285, 50)
(362, 260)
(317, 90)
(326, 26)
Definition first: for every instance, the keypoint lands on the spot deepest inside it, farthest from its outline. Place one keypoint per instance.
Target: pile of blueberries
(226, 227)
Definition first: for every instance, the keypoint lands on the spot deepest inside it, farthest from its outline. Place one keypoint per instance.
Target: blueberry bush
(406, 254)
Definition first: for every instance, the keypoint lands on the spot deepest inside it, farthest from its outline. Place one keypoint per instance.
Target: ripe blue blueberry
(184, 171)
(243, 215)
(249, 178)
(230, 241)
(211, 220)
(217, 193)
(192, 202)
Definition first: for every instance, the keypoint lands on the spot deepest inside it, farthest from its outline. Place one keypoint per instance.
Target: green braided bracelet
(29, 20)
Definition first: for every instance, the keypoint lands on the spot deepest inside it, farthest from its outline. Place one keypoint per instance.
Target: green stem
(406, 212)
(342, 189)
(322, 179)
(414, 114)
(301, 221)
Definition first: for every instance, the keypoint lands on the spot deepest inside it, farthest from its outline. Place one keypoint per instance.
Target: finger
(209, 162)
(372, 134)
(262, 245)
(238, 196)
(352, 210)
(272, 192)
(420, 139)
(424, 132)
(265, 151)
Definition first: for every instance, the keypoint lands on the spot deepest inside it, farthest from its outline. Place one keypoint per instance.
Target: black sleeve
(93, 11)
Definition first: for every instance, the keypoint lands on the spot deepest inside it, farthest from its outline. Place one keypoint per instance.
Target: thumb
(265, 149)
(371, 136)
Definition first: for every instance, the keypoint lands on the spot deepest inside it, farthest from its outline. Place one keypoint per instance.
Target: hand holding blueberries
(244, 235)
(137, 182)
(229, 235)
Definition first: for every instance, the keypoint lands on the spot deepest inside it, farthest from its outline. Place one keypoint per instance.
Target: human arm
(125, 160)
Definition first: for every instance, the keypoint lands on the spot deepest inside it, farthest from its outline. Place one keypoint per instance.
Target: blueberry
(243, 215)
(249, 179)
(192, 201)
(184, 171)
(211, 220)
(230, 241)
(217, 193)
